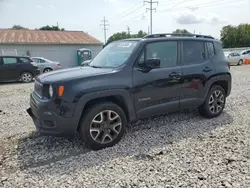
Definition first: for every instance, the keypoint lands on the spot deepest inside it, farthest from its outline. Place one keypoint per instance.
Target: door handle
(175, 75)
(207, 69)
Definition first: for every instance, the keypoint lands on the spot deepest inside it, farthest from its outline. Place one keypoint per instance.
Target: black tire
(87, 123)
(206, 108)
(47, 70)
(240, 62)
(26, 77)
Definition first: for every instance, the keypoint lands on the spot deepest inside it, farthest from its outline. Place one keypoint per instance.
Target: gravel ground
(176, 150)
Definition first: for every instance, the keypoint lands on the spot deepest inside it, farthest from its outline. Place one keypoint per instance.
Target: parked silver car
(45, 65)
(234, 58)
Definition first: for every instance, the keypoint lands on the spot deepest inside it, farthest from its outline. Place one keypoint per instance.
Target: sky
(197, 16)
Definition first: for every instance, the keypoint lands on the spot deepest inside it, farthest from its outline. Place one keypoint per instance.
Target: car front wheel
(240, 62)
(214, 103)
(103, 125)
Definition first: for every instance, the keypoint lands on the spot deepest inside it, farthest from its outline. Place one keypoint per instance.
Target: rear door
(10, 68)
(197, 67)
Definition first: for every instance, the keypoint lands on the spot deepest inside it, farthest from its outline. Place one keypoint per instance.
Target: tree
(124, 35)
(235, 36)
(18, 27)
(51, 28)
(181, 31)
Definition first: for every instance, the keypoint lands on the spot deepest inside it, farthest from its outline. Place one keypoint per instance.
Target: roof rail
(177, 35)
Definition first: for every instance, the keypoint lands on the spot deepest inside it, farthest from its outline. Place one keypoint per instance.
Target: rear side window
(36, 60)
(193, 52)
(210, 49)
(42, 61)
(165, 51)
(24, 60)
(9, 60)
(218, 50)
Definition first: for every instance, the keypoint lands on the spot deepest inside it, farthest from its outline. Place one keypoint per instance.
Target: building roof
(9, 36)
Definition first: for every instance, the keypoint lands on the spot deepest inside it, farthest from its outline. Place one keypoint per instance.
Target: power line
(178, 4)
(208, 4)
(105, 25)
(151, 16)
(125, 13)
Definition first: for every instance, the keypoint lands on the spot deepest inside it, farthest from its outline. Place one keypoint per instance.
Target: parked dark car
(17, 68)
(128, 80)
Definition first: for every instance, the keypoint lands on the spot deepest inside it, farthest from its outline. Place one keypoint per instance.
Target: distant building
(58, 46)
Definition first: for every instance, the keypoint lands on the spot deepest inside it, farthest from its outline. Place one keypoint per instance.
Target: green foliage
(124, 35)
(181, 31)
(235, 36)
(18, 27)
(51, 28)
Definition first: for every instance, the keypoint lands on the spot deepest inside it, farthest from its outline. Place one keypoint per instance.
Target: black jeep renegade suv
(128, 80)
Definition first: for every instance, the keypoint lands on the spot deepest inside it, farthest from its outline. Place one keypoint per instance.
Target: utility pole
(151, 2)
(128, 28)
(105, 25)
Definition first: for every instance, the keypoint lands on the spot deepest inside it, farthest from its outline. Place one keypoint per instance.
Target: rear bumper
(48, 122)
(35, 72)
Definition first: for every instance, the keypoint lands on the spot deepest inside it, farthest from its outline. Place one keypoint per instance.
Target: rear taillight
(33, 63)
(58, 64)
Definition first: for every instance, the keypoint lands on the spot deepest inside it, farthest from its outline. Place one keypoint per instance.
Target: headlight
(51, 92)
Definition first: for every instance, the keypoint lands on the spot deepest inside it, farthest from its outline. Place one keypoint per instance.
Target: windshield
(114, 55)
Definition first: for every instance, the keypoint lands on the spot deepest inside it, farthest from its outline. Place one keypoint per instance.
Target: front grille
(38, 88)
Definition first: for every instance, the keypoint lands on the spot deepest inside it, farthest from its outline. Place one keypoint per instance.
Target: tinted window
(24, 60)
(210, 49)
(42, 61)
(9, 60)
(193, 52)
(35, 60)
(141, 59)
(218, 50)
(236, 54)
(165, 51)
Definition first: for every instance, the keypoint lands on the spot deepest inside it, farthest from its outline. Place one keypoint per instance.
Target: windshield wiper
(94, 66)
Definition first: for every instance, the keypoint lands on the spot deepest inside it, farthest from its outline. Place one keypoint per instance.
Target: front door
(10, 68)
(157, 91)
(197, 63)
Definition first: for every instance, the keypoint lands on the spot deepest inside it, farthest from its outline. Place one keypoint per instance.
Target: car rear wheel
(103, 125)
(26, 77)
(47, 70)
(240, 62)
(214, 103)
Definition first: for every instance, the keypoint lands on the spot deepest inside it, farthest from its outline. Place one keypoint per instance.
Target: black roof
(14, 56)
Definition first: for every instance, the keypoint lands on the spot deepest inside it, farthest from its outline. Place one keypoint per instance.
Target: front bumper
(48, 122)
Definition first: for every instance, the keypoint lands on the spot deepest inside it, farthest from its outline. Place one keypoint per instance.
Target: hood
(71, 74)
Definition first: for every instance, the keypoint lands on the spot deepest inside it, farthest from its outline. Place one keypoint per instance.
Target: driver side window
(166, 52)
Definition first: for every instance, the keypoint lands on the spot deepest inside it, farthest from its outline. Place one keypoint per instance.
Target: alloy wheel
(105, 126)
(26, 77)
(216, 102)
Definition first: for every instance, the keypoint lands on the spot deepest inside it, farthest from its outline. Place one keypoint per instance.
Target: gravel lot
(177, 150)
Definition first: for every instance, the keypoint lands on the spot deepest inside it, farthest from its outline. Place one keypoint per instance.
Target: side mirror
(86, 63)
(153, 63)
